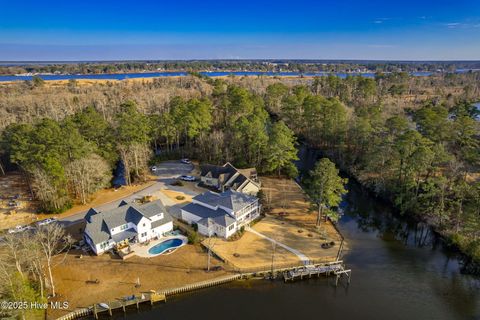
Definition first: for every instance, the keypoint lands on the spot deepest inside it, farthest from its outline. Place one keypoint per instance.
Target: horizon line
(232, 59)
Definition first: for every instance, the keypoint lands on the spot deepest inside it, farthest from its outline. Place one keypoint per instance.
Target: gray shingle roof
(151, 208)
(126, 234)
(121, 215)
(90, 213)
(166, 218)
(97, 230)
(229, 199)
(216, 171)
(224, 221)
(207, 222)
(99, 224)
(203, 212)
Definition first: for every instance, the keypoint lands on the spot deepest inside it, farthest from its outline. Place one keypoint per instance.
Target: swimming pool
(165, 245)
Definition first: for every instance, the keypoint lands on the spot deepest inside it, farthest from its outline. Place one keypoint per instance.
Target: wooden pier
(289, 274)
(336, 268)
(150, 297)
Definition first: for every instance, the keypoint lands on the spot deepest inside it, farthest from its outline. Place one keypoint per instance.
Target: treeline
(412, 140)
(69, 159)
(240, 65)
(425, 160)
(72, 158)
(26, 102)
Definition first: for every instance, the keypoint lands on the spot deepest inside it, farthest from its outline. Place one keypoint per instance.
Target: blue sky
(205, 29)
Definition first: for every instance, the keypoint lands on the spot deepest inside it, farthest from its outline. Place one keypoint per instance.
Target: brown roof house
(227, 177)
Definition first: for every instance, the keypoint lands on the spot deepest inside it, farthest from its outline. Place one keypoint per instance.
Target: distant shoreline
(168, 74)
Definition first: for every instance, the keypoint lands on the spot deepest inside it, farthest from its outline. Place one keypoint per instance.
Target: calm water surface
(400, 271)
(123, 76)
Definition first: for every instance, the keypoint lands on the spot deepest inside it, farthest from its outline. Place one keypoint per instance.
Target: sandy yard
(118, 277)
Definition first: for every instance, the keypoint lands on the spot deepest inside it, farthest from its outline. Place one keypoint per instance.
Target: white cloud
(453, 24)
(380, 20)
(456, 25)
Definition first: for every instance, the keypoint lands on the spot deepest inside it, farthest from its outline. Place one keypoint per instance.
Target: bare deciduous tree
(87, 175)
(46, 191)
(53, 241)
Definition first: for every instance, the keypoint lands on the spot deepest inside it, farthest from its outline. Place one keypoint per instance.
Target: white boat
(104, 305)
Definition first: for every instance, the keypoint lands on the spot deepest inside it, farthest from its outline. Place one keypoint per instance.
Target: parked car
(188, 178)
(186, 161)
(18, 229)
(46, 221)
(154, 168)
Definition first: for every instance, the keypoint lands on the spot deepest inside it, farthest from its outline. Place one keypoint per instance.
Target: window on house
(125, 226)
(231, 227)
(144, 224)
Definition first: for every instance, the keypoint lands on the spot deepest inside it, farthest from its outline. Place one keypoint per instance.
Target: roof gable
(229, 199)
(100, 224)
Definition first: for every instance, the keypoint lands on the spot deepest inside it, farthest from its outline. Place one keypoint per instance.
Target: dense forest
(239, 65)
(413, 141)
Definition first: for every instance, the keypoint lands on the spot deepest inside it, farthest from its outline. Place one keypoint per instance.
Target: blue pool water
(165, 245)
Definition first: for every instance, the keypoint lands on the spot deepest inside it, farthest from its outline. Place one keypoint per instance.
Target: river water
(400, 270)
(123, 76)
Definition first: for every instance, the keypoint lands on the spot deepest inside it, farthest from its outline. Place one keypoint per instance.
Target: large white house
(221, 214)
(128, 223)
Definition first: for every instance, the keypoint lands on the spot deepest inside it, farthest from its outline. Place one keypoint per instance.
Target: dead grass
(254, 252)
(305, 240)
(249, 252)
(172, 195)
(290, 221)
(105, 196)
(11, 184)
(117, 278)
(285, 198)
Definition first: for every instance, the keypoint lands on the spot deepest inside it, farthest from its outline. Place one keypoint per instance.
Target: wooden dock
(122, 304)
(336, 268)
(289, 274)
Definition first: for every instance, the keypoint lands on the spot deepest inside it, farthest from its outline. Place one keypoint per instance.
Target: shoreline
(208, 74)
(183, 269)
(471, 265)
(154, 296)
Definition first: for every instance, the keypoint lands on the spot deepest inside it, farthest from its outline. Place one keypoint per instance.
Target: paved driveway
(166, 172)
(172, 169)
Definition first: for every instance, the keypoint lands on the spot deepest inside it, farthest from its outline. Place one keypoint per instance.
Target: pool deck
(141, 249)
